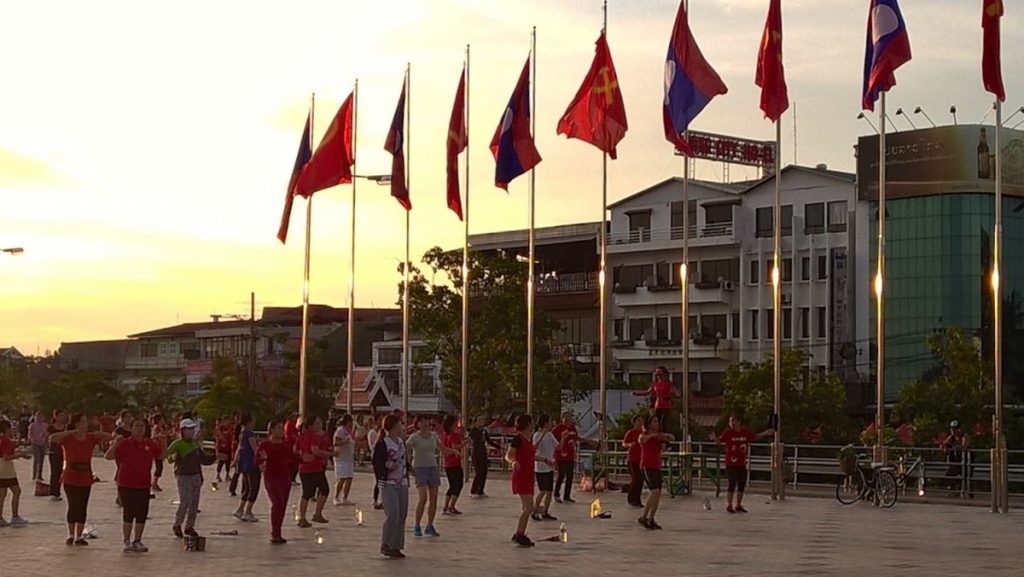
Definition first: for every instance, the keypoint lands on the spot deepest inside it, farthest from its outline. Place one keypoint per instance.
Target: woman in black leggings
(78, 445)
(135, 456)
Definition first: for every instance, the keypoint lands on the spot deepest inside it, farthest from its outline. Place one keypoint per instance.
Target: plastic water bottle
(359, 517)
(707, 504)
(563, 534)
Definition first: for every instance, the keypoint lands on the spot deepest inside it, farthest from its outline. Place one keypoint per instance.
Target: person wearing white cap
(187, 455)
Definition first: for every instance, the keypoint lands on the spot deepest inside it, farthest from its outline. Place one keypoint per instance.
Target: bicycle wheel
(849, 493)
(885, 488)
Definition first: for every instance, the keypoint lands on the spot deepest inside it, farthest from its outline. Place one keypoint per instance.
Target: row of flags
(597, 114)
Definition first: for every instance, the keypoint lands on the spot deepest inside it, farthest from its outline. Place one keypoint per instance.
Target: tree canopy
(497, 333)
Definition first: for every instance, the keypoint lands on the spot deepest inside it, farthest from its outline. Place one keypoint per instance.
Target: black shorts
(8, 483)
(653, 477)
(134, 505)
(314, 485)
(546, 482)
(737, 478)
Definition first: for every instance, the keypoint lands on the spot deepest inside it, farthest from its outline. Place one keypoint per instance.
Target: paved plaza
(800, 536)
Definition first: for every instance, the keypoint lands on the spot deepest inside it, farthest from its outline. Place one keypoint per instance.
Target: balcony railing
(578, 282)
(642, 235)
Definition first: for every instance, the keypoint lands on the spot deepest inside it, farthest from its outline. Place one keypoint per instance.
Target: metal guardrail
(641, 235)
(818, 466)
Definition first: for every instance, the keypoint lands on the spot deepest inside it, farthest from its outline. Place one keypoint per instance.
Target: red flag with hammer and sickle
(597, 115)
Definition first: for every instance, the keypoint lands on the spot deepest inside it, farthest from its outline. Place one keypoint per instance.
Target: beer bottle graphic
(984, 160)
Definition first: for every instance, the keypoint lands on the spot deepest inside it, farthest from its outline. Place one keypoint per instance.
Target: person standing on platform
(661, 393)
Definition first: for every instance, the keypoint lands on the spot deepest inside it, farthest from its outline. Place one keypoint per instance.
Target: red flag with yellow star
(991, 65)
(771, 76)
(597, 114)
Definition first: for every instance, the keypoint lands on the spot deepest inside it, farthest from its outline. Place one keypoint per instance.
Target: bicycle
(880, 487)
(904, 473)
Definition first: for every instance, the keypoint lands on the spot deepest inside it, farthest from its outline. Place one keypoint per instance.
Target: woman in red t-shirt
(661, 392)
(135, 456)
(314, 449)
(651, 444)
(521, 457)
(275, 458)
(631, 442)
(453, 445)
(78, 445)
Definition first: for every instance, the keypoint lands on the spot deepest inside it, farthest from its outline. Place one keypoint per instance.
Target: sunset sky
(145, 146)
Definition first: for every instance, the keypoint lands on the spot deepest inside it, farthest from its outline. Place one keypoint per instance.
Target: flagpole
(532, 209)
(880, 456)
(352, 256)
(465, 265)
(778, 486)
(305, 282)
(405, 287)
(684, 323)
(603, 303)
(1000, 492)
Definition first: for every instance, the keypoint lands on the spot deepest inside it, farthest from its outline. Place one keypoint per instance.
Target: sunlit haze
(145, 147)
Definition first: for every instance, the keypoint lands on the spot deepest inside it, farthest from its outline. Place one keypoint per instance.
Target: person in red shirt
(158, 431)
(291, 436)
(77, 444)
(661, 392)
(222, 435)
(454, 446)
(565, 455)
(631, 442)
(274, 458)
(9, 452)
(135, 456)
(521, 457)
(652, 441)
(736, 440)
(313, 448)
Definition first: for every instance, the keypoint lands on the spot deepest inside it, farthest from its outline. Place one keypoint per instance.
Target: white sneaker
(238, 515)
(18, 521)
(127, 547)
(56, 498)
(3, 522)
(336, 502)
(250, 518)
(140, 547)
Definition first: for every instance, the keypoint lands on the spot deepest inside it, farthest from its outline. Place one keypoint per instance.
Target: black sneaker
(535, 516)
(548, 517)
(568, 500)
(558, 499)
(522, 540)
(642, 521)
(81, 543)
(652, 524)
(191, 533)
(177, 532)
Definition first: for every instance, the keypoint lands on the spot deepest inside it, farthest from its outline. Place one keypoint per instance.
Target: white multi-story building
(730, 311)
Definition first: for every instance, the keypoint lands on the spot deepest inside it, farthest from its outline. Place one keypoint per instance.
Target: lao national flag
(512, 145)
(888, 48)
(690, 82)
(394, 144)
(301, 159)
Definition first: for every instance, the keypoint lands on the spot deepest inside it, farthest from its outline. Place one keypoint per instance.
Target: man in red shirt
(736, 440)
(565, 455)
(662, 390)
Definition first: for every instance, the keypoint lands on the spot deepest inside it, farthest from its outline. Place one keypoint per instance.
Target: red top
(305, 445)
(78, 459)
(226, 443)
(278, 458)
(736, 441)
(7, 446)
(566, 452)
(650, 453)
(632, 436)
(291, 430)
(135, 462)
(525, 453)
(107, 424)
(452, 440)
(662, 392)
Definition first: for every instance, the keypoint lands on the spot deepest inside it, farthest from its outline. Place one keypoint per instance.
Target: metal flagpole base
(999, 478)
(778, 472)
(880, 454)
